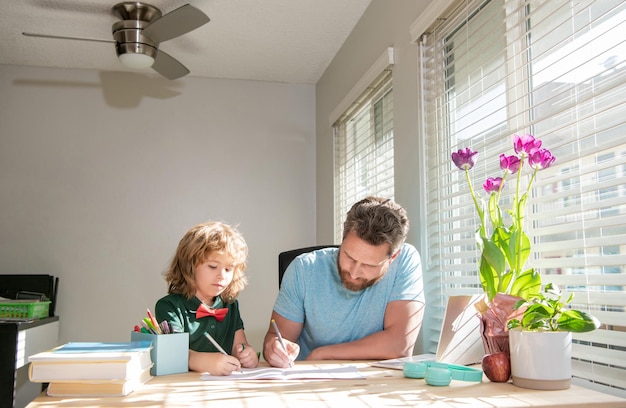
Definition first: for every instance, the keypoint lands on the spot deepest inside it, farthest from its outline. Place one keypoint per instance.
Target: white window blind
(364, 149)
(557, 70)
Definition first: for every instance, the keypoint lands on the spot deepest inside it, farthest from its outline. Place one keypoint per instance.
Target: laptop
(459, 340)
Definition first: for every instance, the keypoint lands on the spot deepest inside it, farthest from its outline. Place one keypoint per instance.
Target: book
(309, 373)
(98, 388)
(91, 361)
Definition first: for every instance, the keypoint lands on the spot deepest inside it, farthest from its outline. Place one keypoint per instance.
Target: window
(557, 70)
(364, 148)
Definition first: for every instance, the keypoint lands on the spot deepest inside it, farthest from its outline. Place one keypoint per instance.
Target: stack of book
(93, 368)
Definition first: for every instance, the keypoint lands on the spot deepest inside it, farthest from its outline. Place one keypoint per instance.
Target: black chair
(285, 258)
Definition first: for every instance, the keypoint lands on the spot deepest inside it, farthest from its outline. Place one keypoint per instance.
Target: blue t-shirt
(312, 293)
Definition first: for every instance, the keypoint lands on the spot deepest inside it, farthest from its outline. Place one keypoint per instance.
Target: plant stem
(481, 214)
(519, 219)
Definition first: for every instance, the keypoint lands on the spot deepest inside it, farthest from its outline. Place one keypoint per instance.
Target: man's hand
(275, 354)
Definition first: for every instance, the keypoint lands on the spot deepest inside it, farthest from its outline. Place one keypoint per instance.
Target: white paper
(309, 373)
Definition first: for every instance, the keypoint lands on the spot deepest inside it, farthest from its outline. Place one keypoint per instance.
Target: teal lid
(438, 376)
(414, 370)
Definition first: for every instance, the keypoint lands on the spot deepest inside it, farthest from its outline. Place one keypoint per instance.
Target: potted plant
(541, 340)
(504, 246)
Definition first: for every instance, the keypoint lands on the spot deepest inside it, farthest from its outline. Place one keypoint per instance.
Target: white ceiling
(290, 41)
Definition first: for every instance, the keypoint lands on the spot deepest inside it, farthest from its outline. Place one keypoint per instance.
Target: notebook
(459, 340)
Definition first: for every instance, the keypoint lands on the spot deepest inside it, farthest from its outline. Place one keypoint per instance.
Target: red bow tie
(204, 311)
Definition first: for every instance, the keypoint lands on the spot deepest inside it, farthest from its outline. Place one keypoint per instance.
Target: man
(361, 301)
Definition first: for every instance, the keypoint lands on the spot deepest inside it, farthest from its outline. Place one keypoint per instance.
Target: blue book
(103, 347)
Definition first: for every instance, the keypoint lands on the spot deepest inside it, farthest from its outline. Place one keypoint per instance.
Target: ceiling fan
(142, 27)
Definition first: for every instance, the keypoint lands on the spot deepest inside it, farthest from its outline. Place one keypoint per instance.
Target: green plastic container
(24, 309)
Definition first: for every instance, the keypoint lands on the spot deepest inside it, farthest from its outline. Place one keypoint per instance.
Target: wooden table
(381, 387)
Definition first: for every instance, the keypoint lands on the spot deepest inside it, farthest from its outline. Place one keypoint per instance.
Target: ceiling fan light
(136, 61)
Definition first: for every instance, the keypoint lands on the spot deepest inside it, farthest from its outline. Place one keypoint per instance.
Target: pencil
(280, 339)
(216, 344)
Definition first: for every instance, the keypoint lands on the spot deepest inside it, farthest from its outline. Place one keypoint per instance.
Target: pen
(280, 339)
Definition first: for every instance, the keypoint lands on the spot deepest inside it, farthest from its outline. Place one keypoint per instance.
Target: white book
(91, 361)
(98, 388)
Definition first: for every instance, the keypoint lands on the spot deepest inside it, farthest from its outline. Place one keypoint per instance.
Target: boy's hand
(213, 363)
(246, 355)
(223, 365)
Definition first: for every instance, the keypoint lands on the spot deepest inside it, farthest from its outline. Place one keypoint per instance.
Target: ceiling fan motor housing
(129, 39)
(127, 32)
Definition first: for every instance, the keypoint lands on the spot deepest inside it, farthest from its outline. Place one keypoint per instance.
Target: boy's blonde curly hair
(195, 247)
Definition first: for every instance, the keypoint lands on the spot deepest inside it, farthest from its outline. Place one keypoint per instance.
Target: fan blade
(176, 23)
(61, 37)
(168, 66)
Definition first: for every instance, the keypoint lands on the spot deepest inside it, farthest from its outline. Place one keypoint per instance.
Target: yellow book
(88, 388)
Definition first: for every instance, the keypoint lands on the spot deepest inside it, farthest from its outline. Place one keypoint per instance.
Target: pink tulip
(464, 158)
(541, 159)
(510, 163)
(526, 144)
(492, 184)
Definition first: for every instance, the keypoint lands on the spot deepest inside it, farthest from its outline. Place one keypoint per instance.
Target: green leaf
(494, 256)
(501, 238)
(577, 321)
(553, 290)
(527, 284)
(537, 316)
(513, 323)
(505, 282)
(488, 278)
(519, 303)
(495, 215)
(518, 249)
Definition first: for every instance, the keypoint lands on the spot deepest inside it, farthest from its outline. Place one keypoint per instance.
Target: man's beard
(360, 283)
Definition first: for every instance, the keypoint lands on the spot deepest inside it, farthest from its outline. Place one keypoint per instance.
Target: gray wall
(384, 24)
(102, 173)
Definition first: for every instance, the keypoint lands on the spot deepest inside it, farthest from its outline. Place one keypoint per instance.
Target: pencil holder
(170, 352)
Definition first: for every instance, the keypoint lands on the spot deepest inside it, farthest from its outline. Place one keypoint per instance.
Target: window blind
(363, 138)
(557, 70)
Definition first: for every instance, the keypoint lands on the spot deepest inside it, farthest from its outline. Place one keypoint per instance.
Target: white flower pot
(541, 360)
